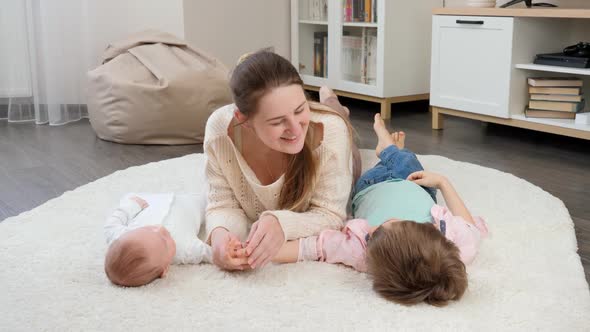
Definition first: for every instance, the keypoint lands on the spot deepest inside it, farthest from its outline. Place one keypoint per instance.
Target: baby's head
(140, 256)
(412, 262)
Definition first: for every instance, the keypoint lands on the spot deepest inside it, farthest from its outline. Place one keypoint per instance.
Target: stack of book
(360, 11)
(555, 97)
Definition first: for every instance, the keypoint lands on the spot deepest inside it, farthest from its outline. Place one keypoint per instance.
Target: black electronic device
(559, 59)
(528, 3)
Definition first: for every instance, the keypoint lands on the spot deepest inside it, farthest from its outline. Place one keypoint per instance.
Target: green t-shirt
(399, 199)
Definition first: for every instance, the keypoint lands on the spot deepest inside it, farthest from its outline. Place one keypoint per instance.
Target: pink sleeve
(347, 247)
(464, 235)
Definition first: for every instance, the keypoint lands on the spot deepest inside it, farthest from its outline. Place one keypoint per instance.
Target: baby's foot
(399, 139)
(384, 139)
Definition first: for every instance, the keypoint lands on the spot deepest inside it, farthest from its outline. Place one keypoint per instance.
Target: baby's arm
(197, 252)
(117, 223)
(452, 198)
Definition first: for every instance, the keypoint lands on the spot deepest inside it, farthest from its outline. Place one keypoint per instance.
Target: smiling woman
(277, 164)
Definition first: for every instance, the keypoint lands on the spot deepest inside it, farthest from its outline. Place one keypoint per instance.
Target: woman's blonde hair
(255, 75)
(127, 263)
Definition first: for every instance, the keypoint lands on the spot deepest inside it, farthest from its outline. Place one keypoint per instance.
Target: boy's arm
(345, 247)
(117, 223)
(454, 201)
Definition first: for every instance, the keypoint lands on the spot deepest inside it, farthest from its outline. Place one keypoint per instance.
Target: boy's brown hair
(128, 264)
(412, 262)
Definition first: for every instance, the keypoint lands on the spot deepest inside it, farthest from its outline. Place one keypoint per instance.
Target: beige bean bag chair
(153, 88)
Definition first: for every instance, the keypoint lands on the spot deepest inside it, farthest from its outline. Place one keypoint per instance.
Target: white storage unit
(481, 59)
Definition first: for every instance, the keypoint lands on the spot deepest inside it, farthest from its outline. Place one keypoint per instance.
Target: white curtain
(47, 46)
(44, 47)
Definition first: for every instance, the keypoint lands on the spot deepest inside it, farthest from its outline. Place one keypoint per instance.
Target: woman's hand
(225, 251)
(427, 179)
(264, 242)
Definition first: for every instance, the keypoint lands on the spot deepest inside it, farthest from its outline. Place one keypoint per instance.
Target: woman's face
(282, 119)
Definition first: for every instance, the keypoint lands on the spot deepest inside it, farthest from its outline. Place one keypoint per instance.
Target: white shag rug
(526, 277)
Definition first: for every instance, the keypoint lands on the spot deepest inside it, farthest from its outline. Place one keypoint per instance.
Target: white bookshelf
(397, 69)
(555, 69)
(504, 41)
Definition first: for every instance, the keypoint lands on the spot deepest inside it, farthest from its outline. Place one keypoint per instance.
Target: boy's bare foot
(384, 138)
(327, 97)
(399, 139)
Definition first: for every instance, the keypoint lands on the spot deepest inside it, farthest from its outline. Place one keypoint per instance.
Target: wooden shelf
(564, 127)
(563, 123)
(516, 12)
(555, 69)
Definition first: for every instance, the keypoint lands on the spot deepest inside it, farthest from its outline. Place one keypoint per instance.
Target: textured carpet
(527, 275)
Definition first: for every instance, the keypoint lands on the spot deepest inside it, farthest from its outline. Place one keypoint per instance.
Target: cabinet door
(310, 40)
(471, 59)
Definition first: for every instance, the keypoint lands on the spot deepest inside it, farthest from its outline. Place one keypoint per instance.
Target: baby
(148, 232)
(414, 249)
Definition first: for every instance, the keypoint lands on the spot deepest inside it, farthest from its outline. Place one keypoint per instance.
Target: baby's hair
(127, 263)
(412, 262)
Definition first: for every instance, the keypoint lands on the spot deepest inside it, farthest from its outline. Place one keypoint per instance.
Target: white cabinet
(471, 64)
(383, 57)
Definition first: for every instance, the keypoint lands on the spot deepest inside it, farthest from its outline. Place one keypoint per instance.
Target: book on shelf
(316, 10)
(576, 91)
(360, 11)
(320, 53)
(348, 11)
(531, 113)
(570, 98)
(555, 81)
(560, 106)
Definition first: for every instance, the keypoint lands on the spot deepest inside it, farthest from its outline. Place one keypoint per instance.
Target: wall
(227, 29)
(111, 20)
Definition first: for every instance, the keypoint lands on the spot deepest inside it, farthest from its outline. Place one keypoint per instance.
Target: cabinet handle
(469, 22)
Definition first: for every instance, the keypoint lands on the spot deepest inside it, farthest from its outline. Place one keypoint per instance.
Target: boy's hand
(142, 203)
(427, 179)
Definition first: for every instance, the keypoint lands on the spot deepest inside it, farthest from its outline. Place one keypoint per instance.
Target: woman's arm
(223, 209)
(225, 221)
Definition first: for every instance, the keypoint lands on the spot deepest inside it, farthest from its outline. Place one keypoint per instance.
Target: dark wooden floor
(41, 162)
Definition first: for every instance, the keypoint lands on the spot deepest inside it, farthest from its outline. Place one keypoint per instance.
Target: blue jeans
(394, 164)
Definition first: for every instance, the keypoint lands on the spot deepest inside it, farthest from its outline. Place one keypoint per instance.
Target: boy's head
(140, 256)
(413, 262)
